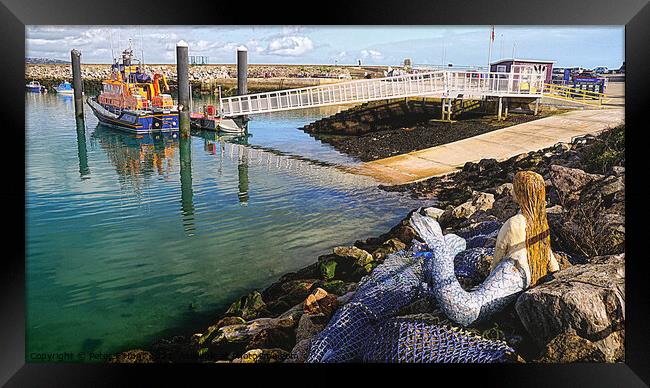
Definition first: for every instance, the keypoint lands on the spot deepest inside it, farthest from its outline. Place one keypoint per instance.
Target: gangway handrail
(442, 83)
(568, 92)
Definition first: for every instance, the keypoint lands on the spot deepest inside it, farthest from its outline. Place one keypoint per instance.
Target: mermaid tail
(465, 308)
(362, 330)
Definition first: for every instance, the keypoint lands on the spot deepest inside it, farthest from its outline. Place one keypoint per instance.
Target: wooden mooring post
(182, 71)
(500, 108)
(77, 84)
(242, 76)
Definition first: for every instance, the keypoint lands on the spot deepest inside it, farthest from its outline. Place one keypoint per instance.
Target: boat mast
(141, 50)
(111, 40)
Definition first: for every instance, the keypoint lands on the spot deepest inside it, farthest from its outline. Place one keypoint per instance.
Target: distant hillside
(45, 61)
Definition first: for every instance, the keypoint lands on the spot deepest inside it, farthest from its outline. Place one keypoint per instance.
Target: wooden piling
(500, 108)
(182, 71)
(242, 77)
(77, 83)
(242, 70)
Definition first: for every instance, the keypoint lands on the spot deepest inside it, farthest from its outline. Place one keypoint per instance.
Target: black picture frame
(16, 14)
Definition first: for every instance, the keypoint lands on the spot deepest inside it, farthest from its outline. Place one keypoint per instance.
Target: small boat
(209, 120)
(133, 101)
(36, 87)
(65, 88)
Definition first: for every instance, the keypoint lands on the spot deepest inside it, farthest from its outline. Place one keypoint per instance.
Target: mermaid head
(530, 193)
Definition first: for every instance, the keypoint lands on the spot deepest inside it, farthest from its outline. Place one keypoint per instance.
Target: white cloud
(372, 54)
(290, 46)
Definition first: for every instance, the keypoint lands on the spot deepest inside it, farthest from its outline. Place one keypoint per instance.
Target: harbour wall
(206, 78)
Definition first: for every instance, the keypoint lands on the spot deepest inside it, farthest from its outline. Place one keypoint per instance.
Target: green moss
(234, 308)
(328, 269)
(334, 286)
(248, 306)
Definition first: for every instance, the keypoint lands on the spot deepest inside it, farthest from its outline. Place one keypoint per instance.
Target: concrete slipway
(500, 144)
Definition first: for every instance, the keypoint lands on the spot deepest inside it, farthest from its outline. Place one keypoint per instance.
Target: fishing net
(419, 341)
(476, 236)
(390, 286)
(468, 263)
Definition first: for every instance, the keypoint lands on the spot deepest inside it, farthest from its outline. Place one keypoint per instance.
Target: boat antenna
(141, 48)
(111, 40)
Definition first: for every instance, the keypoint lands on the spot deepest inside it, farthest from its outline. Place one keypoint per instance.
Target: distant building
(199, 59)
(408, 63)
(524, 66)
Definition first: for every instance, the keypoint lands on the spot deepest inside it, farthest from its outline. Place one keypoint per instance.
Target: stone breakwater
(206, 77)
(574, 315)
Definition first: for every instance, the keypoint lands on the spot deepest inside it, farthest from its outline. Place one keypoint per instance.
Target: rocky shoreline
(574, 315)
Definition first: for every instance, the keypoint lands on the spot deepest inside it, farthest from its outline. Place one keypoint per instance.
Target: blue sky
(586, 46)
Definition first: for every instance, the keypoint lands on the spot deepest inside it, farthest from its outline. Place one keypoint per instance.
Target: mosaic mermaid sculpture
(522, 256)
(364, 329)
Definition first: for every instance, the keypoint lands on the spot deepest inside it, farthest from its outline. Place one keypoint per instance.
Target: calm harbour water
(127, 241)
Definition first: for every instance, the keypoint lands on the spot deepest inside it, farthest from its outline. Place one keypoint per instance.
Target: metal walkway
(574, 94)
(443, 84)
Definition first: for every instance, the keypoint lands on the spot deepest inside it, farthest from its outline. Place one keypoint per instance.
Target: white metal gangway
(442, 83)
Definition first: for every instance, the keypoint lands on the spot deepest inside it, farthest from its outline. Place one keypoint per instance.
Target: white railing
(438, 84)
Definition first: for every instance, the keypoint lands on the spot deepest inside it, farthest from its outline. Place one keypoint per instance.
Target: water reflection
(214, 143)
(187, 193)
(242, 169)
(82, 151)
(137, 157)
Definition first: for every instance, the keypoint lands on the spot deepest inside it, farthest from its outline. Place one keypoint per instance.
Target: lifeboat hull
(133, 121)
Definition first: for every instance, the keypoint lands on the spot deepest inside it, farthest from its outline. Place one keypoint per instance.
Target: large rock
(282, 295)
(390, 246)
(234, 339)
(273, 337)
(320, 302)
(583, 300)
(593, 221)
(568, 182)
(433, 212)
(212, 330)
(504, 208)
(300, 352)
(248, 307)
(310, 325)
(453, 217)
(346, 263)
(567, 347)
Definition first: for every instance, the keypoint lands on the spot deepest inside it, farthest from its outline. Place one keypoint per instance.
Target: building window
(501, 68)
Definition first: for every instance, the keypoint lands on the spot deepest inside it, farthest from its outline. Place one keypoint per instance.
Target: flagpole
(490, 48)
